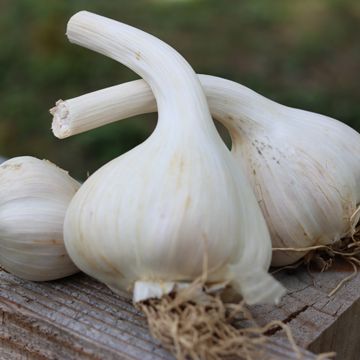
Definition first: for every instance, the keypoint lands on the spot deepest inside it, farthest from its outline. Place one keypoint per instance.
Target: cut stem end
(61, 120)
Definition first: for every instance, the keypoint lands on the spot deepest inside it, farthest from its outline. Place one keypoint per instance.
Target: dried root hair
(205, 329)
(193, 327)
(323, 256)
(195, 323)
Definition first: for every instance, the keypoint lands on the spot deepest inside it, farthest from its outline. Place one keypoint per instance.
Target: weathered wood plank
(343, 335)
(319, 322)
(79, 318)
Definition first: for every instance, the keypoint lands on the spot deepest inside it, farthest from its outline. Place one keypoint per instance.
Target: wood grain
(79, 318)
(319, 323)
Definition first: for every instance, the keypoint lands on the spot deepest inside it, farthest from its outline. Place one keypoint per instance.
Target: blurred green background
(302, 53)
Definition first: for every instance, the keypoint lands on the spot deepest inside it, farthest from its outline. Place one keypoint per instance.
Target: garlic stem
(93, 110)
(149, 59)
(228, 101)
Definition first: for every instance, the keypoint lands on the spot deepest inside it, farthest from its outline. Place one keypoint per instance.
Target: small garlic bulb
(151, 216)
(34, 195)
(304, 167)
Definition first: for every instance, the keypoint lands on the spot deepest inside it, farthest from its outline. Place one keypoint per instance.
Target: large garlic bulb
(304, 167)
(34, 195)
(155, 214)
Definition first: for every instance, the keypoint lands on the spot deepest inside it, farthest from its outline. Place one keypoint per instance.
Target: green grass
(303, 53)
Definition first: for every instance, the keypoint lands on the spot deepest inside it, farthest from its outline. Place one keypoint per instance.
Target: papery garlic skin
(34, 196)
(155, 213)
(304, 167)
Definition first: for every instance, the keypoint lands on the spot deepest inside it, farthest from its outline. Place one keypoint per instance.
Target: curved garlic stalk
(304, 167)
(34, 195)
(149, 217)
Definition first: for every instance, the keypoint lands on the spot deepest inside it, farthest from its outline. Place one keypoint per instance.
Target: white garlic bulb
(304, 167)
(34, 195)
(152, 215)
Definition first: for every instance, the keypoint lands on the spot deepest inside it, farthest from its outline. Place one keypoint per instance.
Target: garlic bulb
(304, 167)
(34, 195)
(151, 216)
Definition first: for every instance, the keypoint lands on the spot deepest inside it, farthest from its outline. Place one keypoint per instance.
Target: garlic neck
(237, 107)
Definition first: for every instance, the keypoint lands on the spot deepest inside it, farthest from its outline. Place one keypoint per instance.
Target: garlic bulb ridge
(304, 167)
(154, 213)
(34, 195)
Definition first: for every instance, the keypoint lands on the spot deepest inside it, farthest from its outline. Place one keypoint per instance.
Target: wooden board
(319, 323)
(79, 318)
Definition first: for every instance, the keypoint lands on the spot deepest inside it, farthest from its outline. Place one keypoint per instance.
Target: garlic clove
(34, 195)
(302, 166)
(154, 213)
